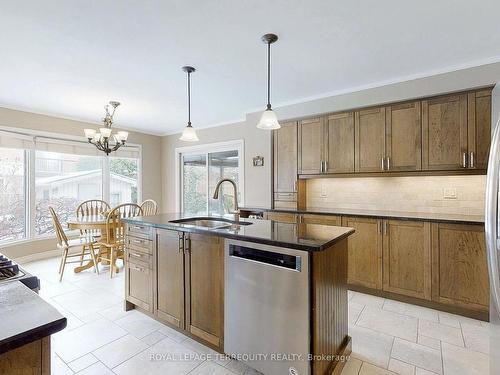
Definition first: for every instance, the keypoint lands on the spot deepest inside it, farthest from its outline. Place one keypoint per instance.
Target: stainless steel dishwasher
(266, 322)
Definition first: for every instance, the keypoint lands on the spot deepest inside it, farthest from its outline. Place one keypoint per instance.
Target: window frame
(208, 148)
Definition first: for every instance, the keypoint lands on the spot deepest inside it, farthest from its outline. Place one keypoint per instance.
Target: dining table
(92, 224)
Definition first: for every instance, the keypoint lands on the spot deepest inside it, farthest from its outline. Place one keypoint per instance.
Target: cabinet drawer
(285, 196)
(139, 286)
(142, 231)
(139, 258)
(139, 244)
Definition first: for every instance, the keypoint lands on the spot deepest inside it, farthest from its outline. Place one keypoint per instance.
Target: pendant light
(189, 134)
(268, 120)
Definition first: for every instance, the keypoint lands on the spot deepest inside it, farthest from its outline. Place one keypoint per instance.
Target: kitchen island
(272, 294)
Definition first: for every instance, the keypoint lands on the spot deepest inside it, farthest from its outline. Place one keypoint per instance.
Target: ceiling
(68, 58)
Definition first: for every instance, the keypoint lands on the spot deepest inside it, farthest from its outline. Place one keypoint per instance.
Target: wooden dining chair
(114, 238)
(65, 245)
(91, 207)
(149, 207)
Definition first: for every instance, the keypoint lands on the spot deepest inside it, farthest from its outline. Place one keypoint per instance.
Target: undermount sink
(210, 222)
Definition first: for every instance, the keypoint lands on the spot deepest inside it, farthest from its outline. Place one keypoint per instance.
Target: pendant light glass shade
(268, 120)
(189, 134)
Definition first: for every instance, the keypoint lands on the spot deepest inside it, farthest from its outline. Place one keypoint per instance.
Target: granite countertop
(25, 316)
(308, 237)
(441, 217)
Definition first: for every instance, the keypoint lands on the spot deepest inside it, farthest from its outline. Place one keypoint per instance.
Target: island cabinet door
(459, 266)
(205, 288)
(407, 258)
(364, 252)
(169, 301)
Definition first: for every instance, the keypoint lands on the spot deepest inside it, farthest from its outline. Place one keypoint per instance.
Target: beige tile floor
(389, 337)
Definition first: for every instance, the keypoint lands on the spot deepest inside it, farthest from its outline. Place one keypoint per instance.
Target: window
(79, 178)
(123, 180)
(38, 171)
(201, 168)
(12, 194)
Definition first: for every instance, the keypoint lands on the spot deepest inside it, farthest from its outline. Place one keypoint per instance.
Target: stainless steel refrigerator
(492, 230)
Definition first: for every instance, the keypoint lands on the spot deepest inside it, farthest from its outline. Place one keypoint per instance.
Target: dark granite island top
(25, 316)
(308, 237)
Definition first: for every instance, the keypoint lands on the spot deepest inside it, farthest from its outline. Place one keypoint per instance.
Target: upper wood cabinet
(339, 143)
(285, 158)
(169, 305)
(205, 287)
(459, 266)
(403, 134)
(364, 252)
(310, 143)
(407, 258)
(479, 128)
(370, 139)
(444, 121)
(449, 132)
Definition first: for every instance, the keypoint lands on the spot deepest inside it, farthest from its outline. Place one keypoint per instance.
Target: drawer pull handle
(138, 241)
(136, 268)
(137, 255)
(137, 227)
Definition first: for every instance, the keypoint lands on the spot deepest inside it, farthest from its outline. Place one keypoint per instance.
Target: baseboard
(38, 256)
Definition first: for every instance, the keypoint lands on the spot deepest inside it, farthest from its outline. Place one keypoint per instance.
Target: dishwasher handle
(290, 262)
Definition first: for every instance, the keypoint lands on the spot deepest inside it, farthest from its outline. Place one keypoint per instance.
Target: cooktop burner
(10, 271)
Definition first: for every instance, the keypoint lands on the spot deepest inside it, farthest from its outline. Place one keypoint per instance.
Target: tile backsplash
(464, 194)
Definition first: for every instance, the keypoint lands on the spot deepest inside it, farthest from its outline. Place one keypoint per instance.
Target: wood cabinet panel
(364, 252)
(339, 146)
(310, 145)
(30, 359)
(205, 288)
(284, 217)
(444, 122)
(321, 219)
(479, 128)
(370, 139)
(407, 258)
(459, 266)
(170, 277)
(285, 158)
(404, 137)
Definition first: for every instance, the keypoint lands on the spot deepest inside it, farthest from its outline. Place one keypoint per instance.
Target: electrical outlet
(450, 193)
(324, 191)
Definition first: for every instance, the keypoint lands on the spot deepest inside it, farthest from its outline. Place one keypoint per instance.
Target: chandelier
(103, 139)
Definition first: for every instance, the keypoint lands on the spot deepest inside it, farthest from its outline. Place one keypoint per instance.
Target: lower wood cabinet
(284, 217)
(459, 266)
(189, 286)
(407, 258)
(364, 252)
(169, 285)
(204, 280)
(321, 219)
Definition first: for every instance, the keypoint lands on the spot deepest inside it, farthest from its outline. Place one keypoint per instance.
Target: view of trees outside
(222, 165)
(219, 165)
(63, 181)
(195, 184)
(126, 168)
(12, 196)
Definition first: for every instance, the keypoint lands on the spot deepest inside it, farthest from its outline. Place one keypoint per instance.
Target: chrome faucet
(235, 188)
